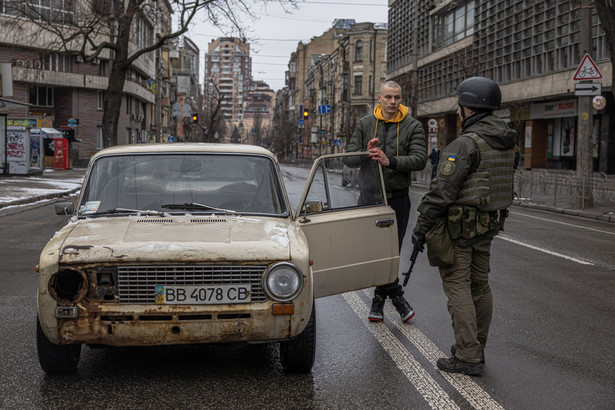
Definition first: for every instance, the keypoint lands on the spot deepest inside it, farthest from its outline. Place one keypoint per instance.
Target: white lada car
(196, 243)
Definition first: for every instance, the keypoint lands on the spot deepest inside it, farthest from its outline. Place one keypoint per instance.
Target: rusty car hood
(183, 239)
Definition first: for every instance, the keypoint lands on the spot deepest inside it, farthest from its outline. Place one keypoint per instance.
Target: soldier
(471, 191)
(396, 141)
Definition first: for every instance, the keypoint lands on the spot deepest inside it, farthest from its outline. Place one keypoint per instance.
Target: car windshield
(183, 183)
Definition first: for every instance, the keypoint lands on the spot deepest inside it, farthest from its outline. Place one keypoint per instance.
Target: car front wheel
(297, 355)
(56, 359)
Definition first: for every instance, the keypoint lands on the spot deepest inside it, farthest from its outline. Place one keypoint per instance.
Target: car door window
(329, 187)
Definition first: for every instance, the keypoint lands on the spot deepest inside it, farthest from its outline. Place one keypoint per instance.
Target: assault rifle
(415, 254)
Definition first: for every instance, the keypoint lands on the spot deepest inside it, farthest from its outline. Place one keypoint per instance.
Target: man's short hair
(389, 84)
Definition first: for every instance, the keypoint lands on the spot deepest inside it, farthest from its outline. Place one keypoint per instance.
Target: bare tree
(121, 30)
(213, 110)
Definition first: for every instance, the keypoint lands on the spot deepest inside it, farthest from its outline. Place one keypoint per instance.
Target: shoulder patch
(448, 168)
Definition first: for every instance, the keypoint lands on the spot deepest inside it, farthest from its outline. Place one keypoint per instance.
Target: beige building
(339, 87)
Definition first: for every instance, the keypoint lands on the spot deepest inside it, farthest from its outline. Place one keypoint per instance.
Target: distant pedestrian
(470, 195)
(433, 156)
(397, 141)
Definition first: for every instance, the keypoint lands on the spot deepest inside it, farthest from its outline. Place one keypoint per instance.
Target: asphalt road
(553, 280)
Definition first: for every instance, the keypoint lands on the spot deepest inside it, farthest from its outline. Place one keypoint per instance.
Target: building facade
(228, 70)
(531, 48)
(63, 92)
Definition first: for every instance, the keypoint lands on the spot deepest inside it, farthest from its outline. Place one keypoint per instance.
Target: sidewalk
(20, 190)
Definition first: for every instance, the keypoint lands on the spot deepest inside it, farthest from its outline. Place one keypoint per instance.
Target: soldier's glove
(418, 240)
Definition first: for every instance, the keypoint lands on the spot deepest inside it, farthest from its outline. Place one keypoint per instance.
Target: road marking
(536, 248)
(429, 389)
(465, 385)
(563, 223)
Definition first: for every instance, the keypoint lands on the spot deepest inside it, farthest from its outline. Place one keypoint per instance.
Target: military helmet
(479, 92)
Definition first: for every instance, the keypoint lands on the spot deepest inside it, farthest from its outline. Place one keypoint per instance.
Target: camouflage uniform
(473, 183)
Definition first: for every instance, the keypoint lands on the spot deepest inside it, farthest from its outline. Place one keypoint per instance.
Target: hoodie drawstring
(376, 134)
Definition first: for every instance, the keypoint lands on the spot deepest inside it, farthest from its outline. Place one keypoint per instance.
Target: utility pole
(585, 163)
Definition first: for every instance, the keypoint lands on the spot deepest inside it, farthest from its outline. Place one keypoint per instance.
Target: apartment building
(58, 93)
(531, 48)
(228, 70)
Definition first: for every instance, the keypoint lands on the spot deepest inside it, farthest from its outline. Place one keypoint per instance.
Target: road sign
(324, 109)
(587, 89)
(587, 70)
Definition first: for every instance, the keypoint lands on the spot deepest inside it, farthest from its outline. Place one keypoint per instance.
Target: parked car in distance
(350, 176)
(196, 243)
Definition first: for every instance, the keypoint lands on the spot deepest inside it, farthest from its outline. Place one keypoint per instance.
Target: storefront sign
(558, 109)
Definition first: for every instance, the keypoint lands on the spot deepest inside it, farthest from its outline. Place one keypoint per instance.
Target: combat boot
(454, 365)
(482, 353)
(377, 312)
(403, 307)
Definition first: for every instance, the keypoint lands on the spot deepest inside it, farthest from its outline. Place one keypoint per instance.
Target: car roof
(184, 148)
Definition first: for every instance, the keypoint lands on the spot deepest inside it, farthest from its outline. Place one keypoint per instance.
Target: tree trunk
(113, 100)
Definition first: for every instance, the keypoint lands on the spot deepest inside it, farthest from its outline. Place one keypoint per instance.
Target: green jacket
(404, 144)
(458, 160)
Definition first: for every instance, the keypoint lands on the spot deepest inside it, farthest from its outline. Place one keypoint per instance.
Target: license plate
(203, 295)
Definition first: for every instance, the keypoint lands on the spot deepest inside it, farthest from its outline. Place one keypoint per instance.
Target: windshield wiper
(130, 211)
(197, 206)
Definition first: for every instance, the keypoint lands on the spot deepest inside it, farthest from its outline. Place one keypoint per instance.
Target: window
(454, 25)
(358, 51)
(56, 11)
(41, 96)
(100, 100)
(99, 138)
(358, 84)
(59, 62)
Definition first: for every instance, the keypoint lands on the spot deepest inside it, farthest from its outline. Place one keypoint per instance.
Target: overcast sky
(274, 32)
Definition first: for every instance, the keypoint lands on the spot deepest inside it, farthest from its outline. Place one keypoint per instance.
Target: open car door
(351, 231)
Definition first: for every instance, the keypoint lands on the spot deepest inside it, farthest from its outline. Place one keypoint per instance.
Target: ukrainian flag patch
(452, 158)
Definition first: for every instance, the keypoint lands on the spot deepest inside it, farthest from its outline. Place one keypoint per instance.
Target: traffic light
(195, 117)
(306, 114)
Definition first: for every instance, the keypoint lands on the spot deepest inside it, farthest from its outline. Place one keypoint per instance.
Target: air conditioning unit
(79, 59)
(96, 61)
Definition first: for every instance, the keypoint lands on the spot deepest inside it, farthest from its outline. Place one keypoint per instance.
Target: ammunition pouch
(467, 222)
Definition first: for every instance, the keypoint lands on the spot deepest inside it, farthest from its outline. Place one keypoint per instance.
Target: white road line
(465, 385)
(536, 248)
(562, 223)
(431, 391)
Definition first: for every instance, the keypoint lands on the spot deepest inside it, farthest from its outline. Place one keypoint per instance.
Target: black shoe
(377, 312)
(403, 307)
(482, 353)
(454, 365)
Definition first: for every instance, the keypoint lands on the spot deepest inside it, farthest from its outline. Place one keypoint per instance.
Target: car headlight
(283, 281)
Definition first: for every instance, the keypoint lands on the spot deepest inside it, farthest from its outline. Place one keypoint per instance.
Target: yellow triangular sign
(587, 70)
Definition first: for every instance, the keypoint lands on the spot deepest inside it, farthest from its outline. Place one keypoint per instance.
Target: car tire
(297, 355)
(53, 358)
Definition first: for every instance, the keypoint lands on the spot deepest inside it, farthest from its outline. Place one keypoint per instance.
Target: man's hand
(376, 153)
(418, 240)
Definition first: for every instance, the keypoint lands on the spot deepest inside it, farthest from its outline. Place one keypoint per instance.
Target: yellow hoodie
(401, 114)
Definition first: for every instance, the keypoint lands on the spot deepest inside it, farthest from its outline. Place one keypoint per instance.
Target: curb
(37, 198)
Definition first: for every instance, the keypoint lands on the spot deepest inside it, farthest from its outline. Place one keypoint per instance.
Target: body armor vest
(490, 187)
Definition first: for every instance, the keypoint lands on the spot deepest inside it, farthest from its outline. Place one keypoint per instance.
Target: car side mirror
(311, 207)
(64, 208)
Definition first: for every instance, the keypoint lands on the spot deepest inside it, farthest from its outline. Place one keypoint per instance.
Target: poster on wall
(567, 137)
(528, 136)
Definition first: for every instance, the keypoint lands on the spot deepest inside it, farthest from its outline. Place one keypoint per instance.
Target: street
(553, 280)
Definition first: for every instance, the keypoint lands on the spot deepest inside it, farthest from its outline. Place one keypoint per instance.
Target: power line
(336, 3)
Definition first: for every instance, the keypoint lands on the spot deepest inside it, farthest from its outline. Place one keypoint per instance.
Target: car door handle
(384, 223)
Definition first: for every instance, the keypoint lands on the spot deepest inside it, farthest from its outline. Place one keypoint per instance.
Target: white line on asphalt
(429, 389)
(536, 248)
(472, 392)
(563, 223)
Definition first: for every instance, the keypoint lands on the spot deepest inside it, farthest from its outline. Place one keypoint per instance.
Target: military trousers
(470, 302)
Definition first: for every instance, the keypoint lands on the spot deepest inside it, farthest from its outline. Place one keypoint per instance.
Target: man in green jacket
(396, 141)
(471, 191)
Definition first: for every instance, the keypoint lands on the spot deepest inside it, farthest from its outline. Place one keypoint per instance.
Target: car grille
(137, 284)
